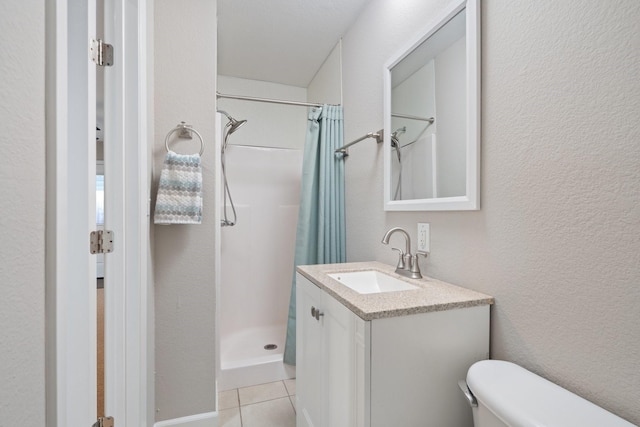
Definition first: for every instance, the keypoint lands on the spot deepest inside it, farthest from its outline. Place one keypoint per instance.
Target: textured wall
(556, 241)
(326, 86)
(22, 392)
(185, 70)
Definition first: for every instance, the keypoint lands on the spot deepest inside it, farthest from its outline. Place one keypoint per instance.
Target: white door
(128, 351)
(71, 163)
(71, 214)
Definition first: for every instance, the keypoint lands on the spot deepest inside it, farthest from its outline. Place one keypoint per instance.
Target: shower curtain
(320, 235)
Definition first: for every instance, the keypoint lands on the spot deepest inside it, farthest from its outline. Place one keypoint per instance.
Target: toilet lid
(521, 398)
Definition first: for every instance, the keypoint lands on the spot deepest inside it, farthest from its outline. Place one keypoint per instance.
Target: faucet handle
(415, 268)
(400, 258)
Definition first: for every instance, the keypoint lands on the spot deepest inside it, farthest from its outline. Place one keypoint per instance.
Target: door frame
(70, 305)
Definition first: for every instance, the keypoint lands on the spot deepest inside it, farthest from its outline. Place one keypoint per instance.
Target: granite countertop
(433, 295)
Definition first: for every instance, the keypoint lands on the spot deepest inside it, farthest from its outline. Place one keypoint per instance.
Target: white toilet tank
(508, 395)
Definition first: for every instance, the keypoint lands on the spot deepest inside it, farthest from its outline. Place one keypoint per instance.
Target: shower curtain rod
(407, 116)
(269, 100)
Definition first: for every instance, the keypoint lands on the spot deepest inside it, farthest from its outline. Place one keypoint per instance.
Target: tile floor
(264, 405)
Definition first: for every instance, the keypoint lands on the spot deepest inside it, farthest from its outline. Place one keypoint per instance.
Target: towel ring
(184, 127)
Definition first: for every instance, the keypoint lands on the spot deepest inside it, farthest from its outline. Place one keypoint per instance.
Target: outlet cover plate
(423, 237)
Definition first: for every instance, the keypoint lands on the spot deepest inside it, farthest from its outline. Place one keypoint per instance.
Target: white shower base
(245, 362)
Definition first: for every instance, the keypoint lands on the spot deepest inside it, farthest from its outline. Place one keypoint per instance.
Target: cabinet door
(331, 361)
(340, 356)
(310, 398)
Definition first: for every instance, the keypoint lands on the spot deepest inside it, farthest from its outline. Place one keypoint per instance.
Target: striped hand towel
(179, 198)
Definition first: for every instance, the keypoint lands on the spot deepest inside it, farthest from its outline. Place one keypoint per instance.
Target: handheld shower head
(395, 140)
(233, 124)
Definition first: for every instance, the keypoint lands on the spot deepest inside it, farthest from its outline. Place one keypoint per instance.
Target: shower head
(395, 141)
(400, 131)
(233, 123)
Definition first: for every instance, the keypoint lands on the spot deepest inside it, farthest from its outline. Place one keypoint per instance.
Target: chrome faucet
(407, 263)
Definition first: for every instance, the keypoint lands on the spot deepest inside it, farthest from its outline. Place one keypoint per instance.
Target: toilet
(503, 394)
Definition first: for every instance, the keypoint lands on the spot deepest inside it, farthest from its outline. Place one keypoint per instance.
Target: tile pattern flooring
(264, 405)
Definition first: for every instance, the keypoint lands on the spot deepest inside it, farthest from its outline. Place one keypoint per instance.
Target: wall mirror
(432, 116)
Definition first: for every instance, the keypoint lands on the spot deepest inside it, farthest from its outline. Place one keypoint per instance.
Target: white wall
(185, 73)
(556, 241)
(22, 204)
(326, 85)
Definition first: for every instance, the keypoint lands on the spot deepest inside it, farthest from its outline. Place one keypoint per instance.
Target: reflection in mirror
(432, 76)
(431, 117)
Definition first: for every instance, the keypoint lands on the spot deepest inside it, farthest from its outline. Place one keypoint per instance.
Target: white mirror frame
(470, 201)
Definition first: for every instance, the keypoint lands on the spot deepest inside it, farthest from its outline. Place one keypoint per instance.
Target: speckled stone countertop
(433, 295)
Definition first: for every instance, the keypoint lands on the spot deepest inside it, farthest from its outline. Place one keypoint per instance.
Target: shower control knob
(313, 312)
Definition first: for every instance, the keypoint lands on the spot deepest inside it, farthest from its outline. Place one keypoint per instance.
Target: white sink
(371, 282)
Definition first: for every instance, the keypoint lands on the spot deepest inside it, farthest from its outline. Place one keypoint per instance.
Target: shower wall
(257, 253)
(264, 168)
(270, 125)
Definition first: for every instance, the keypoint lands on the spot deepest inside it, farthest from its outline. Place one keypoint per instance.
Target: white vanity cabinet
(390, 371)
(329, 357)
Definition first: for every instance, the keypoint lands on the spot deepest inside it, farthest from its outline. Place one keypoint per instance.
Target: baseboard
(208, 419)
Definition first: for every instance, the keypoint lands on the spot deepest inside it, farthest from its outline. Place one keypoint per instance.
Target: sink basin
(371, 282)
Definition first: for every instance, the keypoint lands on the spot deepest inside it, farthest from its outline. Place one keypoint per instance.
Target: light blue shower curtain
(320, 235)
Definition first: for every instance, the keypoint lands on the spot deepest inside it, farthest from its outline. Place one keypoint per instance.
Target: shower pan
(256, 261)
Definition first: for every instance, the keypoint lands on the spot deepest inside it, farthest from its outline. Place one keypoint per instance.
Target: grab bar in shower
(377, 135)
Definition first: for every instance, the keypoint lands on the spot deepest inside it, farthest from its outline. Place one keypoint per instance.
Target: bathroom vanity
(380, 357)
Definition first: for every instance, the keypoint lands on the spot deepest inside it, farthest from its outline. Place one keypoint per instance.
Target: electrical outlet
(423, 237)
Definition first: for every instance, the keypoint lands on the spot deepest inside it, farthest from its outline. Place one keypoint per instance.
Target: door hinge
(101, 242)
(104, 422)
(101, 53)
